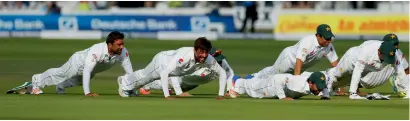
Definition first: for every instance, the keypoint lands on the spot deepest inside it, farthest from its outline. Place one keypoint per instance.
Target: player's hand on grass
(220, 97)
(185, 94)
(227, 94)
(170, 98)
(287, 98)
(324, 98)
(92, 95)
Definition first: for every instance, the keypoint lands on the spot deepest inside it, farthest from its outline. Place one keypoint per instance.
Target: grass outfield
(21, 58)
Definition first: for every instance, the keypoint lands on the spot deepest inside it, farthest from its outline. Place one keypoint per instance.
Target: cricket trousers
(141, 77)
(188, 82)
(283, 64)
(344, 69)
(375, 79)
(156, 85)
(256, 87)
(68, 74)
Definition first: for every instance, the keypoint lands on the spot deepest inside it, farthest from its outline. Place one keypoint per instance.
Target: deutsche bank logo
(200, 23)
(67, 23)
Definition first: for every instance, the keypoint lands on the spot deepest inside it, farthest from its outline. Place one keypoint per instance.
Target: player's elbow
(87, 69)
(164, 74)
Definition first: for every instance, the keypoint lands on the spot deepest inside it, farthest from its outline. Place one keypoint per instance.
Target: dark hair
(202, 43)
(115, 35)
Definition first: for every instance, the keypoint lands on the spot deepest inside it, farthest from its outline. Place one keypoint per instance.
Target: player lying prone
(280, 86)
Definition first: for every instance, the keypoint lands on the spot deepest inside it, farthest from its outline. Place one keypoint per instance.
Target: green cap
(324, 31)
(217, 54)
(391, 38)
(319, 79)
(388, 51)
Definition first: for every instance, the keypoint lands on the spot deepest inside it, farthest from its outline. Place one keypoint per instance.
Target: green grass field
(21, 58)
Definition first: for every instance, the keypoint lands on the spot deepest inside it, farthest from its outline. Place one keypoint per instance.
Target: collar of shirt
(105, 49)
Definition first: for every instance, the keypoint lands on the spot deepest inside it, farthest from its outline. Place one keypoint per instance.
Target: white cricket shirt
(182, 62)
(288, 85)
(97, 59)
(309, 51)
(378, 79)
(367, 60)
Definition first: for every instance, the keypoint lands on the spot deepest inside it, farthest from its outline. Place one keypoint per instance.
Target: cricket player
(304, 54)
(199, 77)
(378, 78)
(83, 65)
(180, 62)
(361, 60)
(281, 86)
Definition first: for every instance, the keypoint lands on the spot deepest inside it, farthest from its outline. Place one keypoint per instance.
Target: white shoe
(121, 92)
(320, 93)
(355, 96)
(125, 93)
(406, 97)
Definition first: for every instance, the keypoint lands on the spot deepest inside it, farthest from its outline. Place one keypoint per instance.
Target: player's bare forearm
(334, 64)
(170, 98)
(185, 94)
(298, 67)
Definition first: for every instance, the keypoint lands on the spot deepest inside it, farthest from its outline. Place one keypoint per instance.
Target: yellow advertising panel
(344, 24)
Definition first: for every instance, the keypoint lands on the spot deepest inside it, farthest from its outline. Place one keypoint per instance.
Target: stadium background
(35, 36)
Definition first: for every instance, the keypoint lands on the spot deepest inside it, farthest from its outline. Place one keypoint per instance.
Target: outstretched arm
(126, 62)
(90, 62)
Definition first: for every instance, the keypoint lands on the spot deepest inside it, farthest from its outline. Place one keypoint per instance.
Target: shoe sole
(144, 92)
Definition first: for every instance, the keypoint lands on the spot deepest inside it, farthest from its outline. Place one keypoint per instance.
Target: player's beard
(118, 52)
